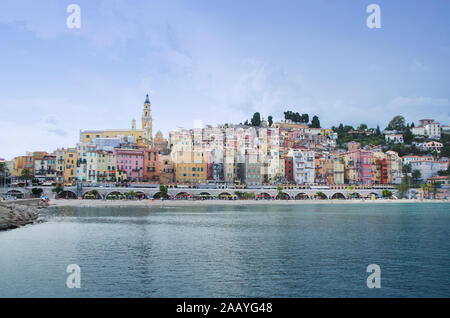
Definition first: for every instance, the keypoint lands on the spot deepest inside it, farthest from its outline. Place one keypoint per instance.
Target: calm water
(228, 251)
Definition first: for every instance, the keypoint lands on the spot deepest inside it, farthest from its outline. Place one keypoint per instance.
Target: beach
(178, 203)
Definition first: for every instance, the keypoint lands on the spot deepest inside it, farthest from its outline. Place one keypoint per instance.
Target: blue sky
(218, 61)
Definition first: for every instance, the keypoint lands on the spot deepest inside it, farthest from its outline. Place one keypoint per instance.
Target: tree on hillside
(362, 127)
(270, 121)
(315, 122)
(296, 117)
(256, 119)
(397, 123)
(407, 136)
(347, 128)
(305, 118)
(378, 131)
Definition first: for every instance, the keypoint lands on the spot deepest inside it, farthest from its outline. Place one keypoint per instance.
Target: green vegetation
(416, 175)
(280, 192)
(245, 195)
(407, 136)
(445, 140)
(26, 175)
(443, 173)
(397, 123)
(4, 173)
(403, 189)
(256, 119)
(363, 136)
(270, 121)
(320, 195)
(386, 193)
(58, 189)
(296, 117)
(315, 123)
(164, 191)
(37, 192)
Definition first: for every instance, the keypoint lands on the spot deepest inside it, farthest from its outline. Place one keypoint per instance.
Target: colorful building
(70, 166)
(151, 166)
(130, 159)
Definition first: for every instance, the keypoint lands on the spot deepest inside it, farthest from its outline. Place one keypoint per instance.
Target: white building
(87, 163)
(427, 128)
(396, 166)
(418, 131)
(427, 168)
(303, 166)
(408, 159)
(433, 130)
(432, 146)
(394, 138)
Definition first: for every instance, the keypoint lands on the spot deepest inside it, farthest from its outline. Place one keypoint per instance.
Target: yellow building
(20, 163)
(145, 133)
(350, 169)
(338, 170)
(106, 166)
(70, 166)
(193, 170)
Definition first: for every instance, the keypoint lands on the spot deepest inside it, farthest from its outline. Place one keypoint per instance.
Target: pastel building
(324, 166)
(131, 161)
(70, 165)
(151, 166)
(338, 170)
(21, 163)
(87, 163)
(304, 166)
(45, 168)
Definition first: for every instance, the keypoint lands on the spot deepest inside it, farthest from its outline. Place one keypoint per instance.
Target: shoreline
(178, 203)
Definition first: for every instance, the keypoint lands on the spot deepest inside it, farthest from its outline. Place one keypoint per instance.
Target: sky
(218, 61)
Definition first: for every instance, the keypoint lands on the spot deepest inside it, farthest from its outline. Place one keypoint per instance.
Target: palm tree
(280, 192)
(163, 189)
(26, 175)
(416, 175)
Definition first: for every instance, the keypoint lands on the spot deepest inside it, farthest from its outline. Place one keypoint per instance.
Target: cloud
(52, 124)
(419, 103)
(415, 108)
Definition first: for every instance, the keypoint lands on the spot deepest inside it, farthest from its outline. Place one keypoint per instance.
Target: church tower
(147, 122)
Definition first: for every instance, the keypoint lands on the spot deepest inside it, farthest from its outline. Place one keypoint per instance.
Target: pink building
(131, 161)
(365, 167)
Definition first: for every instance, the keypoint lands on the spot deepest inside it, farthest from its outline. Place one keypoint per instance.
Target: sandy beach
(177, 203)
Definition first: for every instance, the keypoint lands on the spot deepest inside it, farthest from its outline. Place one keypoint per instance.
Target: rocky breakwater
(14, 215)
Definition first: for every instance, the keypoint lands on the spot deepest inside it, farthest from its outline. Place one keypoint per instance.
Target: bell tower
(147, 122)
